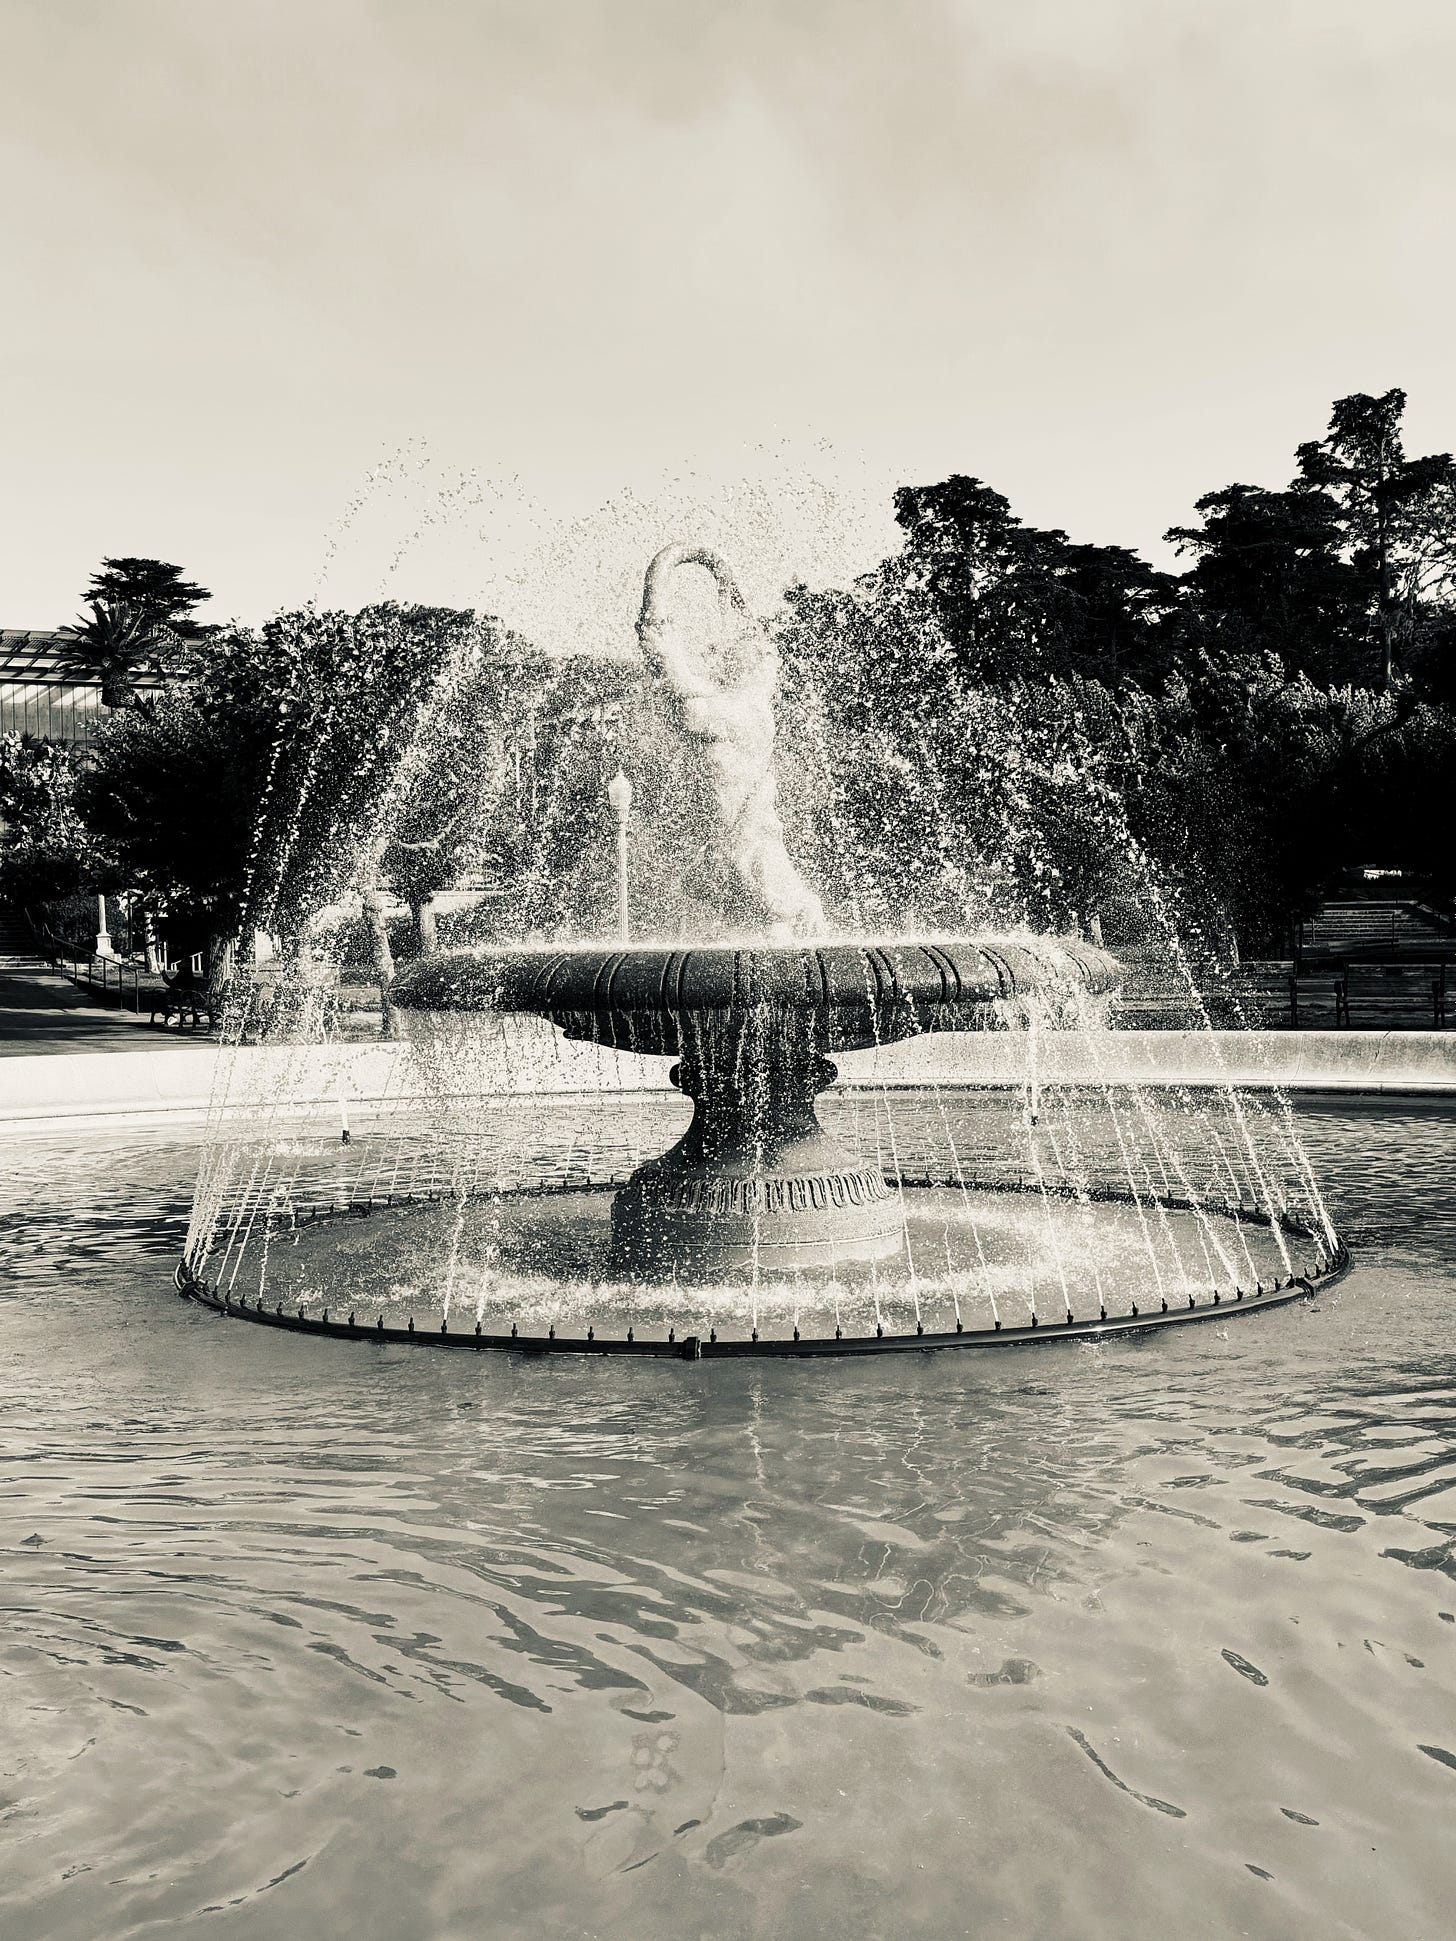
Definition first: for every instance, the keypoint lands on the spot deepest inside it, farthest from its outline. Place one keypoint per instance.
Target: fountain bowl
(755, 1185)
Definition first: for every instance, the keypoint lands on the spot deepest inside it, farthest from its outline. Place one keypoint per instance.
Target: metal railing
(107, 974)
(99, 974)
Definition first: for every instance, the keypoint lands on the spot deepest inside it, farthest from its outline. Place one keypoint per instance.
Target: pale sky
(334, 298)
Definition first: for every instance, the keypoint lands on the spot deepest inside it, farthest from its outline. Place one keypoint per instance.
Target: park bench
(1268, 994)
(276, 1001)
(1277, 997)
(1412, 996)
(1154, 995)
(191, 1005)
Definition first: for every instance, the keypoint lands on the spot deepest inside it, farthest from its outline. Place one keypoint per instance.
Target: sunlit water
(306, 1639)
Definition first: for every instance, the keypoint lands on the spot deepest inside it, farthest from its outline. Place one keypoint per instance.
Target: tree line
(1082, 731)
(996, 724)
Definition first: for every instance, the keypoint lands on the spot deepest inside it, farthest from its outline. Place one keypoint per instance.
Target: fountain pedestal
(754, 1186)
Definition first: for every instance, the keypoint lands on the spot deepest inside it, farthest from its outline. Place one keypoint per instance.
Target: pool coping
(170, 1085)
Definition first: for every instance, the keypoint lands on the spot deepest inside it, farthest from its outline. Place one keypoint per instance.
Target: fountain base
(754, 1187)
(735, 1227)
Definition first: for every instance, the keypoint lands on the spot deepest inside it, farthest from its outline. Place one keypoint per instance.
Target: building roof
(38, 697)
(32, 654)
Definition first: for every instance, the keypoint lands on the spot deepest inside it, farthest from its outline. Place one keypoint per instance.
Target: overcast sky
(338, 297)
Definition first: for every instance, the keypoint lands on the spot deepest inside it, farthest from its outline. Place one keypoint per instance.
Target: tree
(547, 732)
(457, 810)
(113, 644)
(155, 591)
(139, 610)
(255, 790)
(139, 613)
(46, 850)
(1000, 723)
(1114, 612)
(1269, 577)
(172, 791)
(435, 839)
(1397, 512)
(353, 697)
(1014, 601)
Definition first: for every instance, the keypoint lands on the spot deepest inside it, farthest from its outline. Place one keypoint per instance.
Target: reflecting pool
(302, 1638)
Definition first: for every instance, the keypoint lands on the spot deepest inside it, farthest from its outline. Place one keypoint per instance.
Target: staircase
(17, 942)
(1369, 931)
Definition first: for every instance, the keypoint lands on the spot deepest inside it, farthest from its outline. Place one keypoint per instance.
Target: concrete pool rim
(219, 1083)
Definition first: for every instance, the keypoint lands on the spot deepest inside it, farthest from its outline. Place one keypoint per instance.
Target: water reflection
(301, 1636)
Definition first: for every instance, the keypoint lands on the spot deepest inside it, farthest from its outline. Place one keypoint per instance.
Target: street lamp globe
(619, 794)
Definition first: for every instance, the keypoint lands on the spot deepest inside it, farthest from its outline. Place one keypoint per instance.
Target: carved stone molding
(735, 1193)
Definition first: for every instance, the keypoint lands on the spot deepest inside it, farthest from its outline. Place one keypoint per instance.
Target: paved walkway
(42, 1011)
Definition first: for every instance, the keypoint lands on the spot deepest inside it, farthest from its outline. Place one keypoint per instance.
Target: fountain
(755, 1184)
(759, 1219)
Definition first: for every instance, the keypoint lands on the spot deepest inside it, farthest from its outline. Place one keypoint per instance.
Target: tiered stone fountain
(758, 1231)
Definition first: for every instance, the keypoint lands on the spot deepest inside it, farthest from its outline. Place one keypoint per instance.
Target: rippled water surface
(306, 1639)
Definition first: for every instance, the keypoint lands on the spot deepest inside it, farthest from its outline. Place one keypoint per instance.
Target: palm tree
(112, 643)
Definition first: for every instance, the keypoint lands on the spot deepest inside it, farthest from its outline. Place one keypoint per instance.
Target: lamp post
(619, 794)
